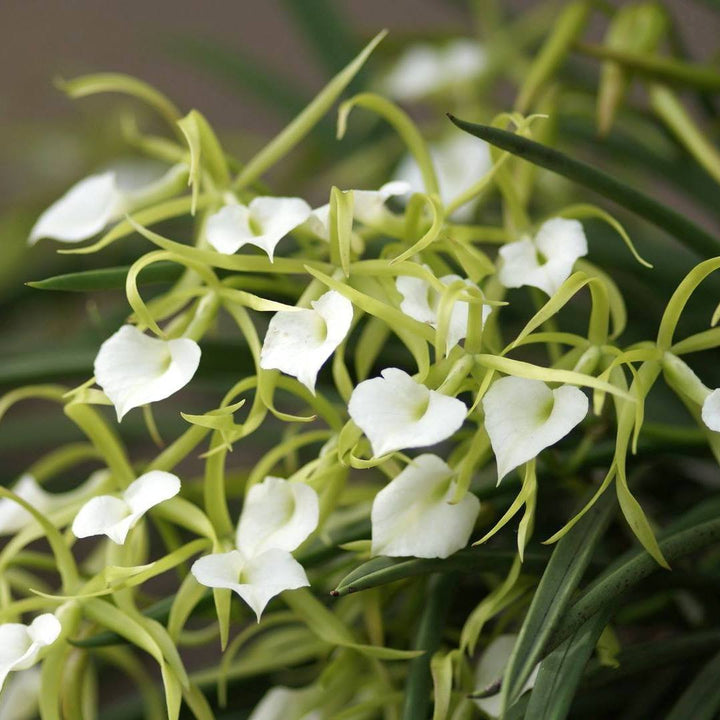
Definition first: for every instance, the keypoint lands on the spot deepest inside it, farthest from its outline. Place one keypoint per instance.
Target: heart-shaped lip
(523, 417)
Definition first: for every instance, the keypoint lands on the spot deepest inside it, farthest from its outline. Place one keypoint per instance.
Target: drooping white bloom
(21, 695)
(490, 671)
(424, 69)
(523, 417)
(281, 703)
(96, 201)
(422, 301)
(298, 342)
(134, 369)
(546, 260)
(263, 223)
(394, 411)
(460, 160)
(116, 516)
(277, 517)
(368, 207)
(412, 515)
(14, 517)
(20, 644)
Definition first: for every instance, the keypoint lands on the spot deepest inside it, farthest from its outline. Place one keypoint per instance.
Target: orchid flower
(281, 703)
(546, 260)
(277, 517)
(459, 160)
(263, 223)
(116, 516)
(20, 644)
(134, 369)
(413, 514)
(523, 417)
(14, 517)
(21, 695)
(368, 207)
(424, 69)
(421, 301)
(298, 342)
(98, 200)
(395, 411)
(490, 671)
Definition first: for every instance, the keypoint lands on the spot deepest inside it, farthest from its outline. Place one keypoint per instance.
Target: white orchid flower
(490, 671)
(523, 417)
(116, 516)
(281, 703)
(263, 223)
(21, 695)
(134, 369)
(98, 200)
(394, 411)
(546, 260)
(424, 69)
(368, 207)
(460, 160)
(298, 342)
(20, 644)
(711, 410)
(277, 517)
(412, 515)
(14, 517)
(421, 301)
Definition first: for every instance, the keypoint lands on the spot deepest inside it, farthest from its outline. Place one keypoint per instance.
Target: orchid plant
(434, 445)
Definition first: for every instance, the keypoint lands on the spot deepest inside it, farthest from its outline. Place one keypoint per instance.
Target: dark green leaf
(559, 581)
(686, 231)
(110, 278)
(701, 699)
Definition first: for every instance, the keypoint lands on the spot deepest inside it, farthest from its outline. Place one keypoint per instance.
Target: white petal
(19, 701)
(417, 297)
(412, 515)
(369, 205)
(149, 490)
(396, 412)
(20, 644)
(104, 515)
(228, 229)
(711, 410)
(416, 73)
(319, 222)
(522, 417)
(134, 369)
(256, 579)
(44, 629)
(267, 575)
(546, 261)
(82, 212)
(276, 217)
(277, 514)
(281, 703)
(491, 669)
(142, 182)
(298, 342)
(14, 517)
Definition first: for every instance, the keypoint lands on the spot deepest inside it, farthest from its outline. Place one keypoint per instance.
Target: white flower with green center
(395, 412)
(134, 369)
(421, 301)
(20, 644)
(523, 417)
(277, 517)
(368, 207)
(545, 261)
(14, 517)
(490, 671)
(98, 200)
(116, 516)
(460, 160)
(21, 695)
(413, 514)
(298, 342)
(263, 223)
(424, 69)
